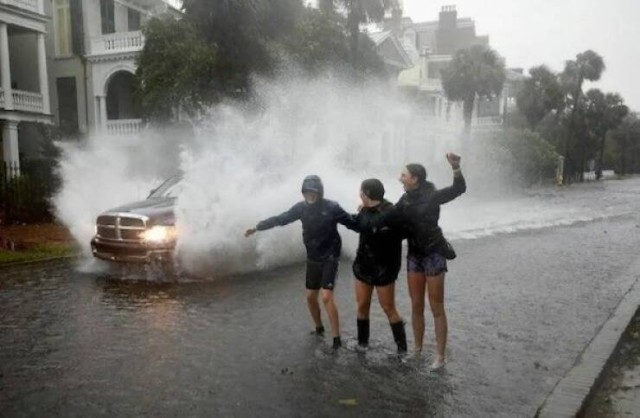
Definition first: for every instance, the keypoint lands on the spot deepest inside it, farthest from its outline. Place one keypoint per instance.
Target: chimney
(448, 17)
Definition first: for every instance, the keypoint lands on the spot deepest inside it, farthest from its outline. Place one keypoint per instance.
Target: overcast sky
(552, 31)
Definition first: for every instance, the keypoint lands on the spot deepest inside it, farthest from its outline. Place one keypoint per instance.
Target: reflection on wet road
(521, 308)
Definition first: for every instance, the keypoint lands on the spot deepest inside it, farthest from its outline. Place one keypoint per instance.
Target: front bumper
(131, 252)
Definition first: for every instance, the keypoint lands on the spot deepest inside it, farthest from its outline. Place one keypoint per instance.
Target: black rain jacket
(319, 223)
(418, 212)
(379, 249)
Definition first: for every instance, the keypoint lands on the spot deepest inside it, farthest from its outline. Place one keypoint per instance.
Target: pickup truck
(140, 232)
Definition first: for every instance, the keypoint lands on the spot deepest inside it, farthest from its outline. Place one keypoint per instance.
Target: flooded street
(521, 308)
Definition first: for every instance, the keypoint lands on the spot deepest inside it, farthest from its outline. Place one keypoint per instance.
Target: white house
(96, 43)
(24, 92)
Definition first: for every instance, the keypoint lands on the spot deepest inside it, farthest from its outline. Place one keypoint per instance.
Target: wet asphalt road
(521, 309)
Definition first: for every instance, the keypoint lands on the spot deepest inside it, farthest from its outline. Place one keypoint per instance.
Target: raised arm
(458, 187)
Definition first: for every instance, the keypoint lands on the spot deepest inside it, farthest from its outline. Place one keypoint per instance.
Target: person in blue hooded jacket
(320, 218)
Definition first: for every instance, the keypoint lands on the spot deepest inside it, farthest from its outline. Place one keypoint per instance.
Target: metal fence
(26, 190)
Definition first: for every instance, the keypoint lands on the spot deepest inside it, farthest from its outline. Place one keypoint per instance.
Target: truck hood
(158, 210)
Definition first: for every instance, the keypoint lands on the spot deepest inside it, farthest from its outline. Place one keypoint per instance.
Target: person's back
(379, 253)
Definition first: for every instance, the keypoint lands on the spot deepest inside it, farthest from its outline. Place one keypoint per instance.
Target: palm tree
(540, 94)
(589, 66)
(477, 71)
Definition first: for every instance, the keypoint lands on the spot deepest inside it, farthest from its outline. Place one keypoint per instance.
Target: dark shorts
(322, 274)
(431, 265)
(378, 282)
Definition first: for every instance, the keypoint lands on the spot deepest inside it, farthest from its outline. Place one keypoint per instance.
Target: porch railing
(124, 126)
(27, 101)
(117, 42)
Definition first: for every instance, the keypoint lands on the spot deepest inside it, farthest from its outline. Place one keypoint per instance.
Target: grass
(38, 252)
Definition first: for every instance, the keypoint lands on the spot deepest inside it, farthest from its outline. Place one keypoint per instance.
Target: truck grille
(121, 227)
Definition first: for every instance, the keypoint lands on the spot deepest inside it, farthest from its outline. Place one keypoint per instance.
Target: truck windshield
(170, 188)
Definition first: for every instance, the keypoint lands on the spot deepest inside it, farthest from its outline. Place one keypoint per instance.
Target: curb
(37, 261)
(575, 389)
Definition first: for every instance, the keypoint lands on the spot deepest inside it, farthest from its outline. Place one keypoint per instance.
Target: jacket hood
(313, 183)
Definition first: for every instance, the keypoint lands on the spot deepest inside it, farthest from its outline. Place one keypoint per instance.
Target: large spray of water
(247, 162)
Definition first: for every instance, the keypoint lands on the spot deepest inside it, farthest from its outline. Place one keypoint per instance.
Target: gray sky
(529, 33)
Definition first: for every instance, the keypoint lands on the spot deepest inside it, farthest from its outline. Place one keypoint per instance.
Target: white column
(103, 113)
(10, 143)
(40, 6)
(6, 66)
(42, 73)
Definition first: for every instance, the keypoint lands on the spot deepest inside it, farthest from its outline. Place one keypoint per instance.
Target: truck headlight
(159, 233)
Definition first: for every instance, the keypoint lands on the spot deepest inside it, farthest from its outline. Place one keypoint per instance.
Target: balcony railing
(30, 5)
(117, 42)
(124, 126)
(27, 101)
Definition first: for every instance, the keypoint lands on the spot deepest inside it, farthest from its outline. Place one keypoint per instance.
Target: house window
(134, 20)
(107, 18)
(62, 22)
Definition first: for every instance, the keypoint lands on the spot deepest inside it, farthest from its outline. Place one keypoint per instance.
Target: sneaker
(438, 363)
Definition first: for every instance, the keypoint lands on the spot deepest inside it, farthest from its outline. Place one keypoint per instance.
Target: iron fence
(26, 190)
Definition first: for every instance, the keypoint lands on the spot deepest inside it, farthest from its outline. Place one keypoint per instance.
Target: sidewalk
(22, 243)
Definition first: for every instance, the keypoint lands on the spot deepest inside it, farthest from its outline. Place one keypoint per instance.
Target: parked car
(140, 232)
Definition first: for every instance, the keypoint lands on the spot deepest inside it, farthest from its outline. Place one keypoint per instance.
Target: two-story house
(96, 43)
(24, 88)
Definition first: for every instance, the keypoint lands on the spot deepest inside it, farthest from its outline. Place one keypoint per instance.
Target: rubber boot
(399, 336)
(337, 343)
(319, 331)
(363, 332)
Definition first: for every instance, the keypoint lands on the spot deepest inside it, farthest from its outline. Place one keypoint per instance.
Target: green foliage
(477, 71)
(175, 70)
(625, 146)
(528, 156)
(540, 94)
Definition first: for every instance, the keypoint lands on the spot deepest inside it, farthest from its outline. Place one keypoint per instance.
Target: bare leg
(387, 299)
(417, 284)
(332, 311)
(435, 286)
(363, 298)
(314, 307)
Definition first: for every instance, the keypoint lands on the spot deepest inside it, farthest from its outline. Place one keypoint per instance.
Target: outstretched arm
(284, 218)
(343, 218)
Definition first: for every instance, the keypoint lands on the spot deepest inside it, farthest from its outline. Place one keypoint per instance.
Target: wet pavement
(521, 306)
(619, 393)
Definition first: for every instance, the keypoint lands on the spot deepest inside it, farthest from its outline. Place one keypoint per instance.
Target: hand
(250, 232)
(454, 160)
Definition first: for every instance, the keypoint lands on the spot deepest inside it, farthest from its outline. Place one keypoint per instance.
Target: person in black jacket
(377, 263)
(419, 211)
(319, 217)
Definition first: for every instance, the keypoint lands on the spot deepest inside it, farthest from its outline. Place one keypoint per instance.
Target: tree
(540, 94)
(603, 112)
(589, 66)
(626, 139)
(243, 32)
(477, 71)
(174, 70)
(363, 11)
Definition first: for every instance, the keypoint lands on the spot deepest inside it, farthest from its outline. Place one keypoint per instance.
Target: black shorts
(322, 274)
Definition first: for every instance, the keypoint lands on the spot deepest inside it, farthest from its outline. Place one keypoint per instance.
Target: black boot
(399, 336)
(337, 343)
(319, 331)
(363, 332)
